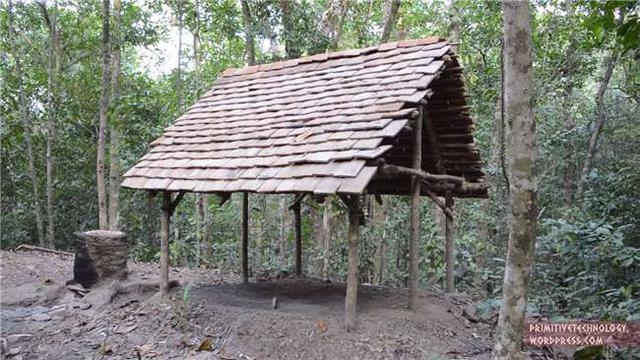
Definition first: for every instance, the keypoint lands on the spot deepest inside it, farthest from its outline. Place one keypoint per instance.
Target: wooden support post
(351, 299)
(244, 234)
(449, 249)
(298, 230)
(164, 242)
(415, 212)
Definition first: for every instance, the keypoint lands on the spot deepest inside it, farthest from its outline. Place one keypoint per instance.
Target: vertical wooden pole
(351, 299)
(164, 242)
(298, 231)
(449, 248)
(415, 212)
(245, 237)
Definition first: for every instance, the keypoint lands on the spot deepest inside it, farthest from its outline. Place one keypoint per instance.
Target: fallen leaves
(14, 351)
(206, 345)
(126, 329)
(145, 351)
(40, 317)
(321, 325)
(106, 349)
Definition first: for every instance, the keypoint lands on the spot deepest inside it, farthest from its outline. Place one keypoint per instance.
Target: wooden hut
(388, 119)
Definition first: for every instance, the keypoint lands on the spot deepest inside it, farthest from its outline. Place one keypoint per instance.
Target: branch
(25, 247)
(395, 170)
(391, 8)
(296, 201)
(223, 197)
(45, 14)
(174, 204)
(437, 200)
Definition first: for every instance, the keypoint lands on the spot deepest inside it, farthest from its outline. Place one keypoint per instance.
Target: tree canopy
(586, 95)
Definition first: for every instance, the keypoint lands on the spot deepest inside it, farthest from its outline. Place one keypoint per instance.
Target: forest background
(587, 100)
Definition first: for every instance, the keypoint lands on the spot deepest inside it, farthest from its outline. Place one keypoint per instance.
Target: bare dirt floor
(210, 315)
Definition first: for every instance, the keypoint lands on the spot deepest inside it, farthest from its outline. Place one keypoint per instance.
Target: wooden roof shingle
(315, 124)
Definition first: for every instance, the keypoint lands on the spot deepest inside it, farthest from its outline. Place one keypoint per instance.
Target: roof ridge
(331, 55)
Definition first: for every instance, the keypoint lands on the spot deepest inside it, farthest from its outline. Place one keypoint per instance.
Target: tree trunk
(206, 235)
(179, 91)
(362, 31)
(326, 231)
(454, 24)
(449, 248)
(505, 126)
(244, 235)
(202, 200)
(390, 9)
(298, 235)
(492, 218)
(259, 225)
(26, 125)
(568, 146)
(196, 45)
(332, 21)
(114, 131)
(318, 239)
(415, 211)
(284, 230)
(288, 23)
(104, 108)
(164, 242)
(609, 66)
(204, 221)
(248, 33)
(518, 100)
(380, 219)
(351, 298)
(441, 219)
(52, 71)
(335, 41)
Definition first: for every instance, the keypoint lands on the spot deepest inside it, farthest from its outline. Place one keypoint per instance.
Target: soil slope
(212, 316)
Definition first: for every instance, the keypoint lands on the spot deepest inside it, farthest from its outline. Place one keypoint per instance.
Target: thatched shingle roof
(317, 124)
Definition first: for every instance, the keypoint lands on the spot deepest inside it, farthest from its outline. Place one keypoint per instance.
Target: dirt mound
(212, 316)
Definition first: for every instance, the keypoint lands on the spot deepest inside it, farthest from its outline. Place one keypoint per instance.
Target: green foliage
(594, 274)
(298, 31)
(587, 261)
(617, 17)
